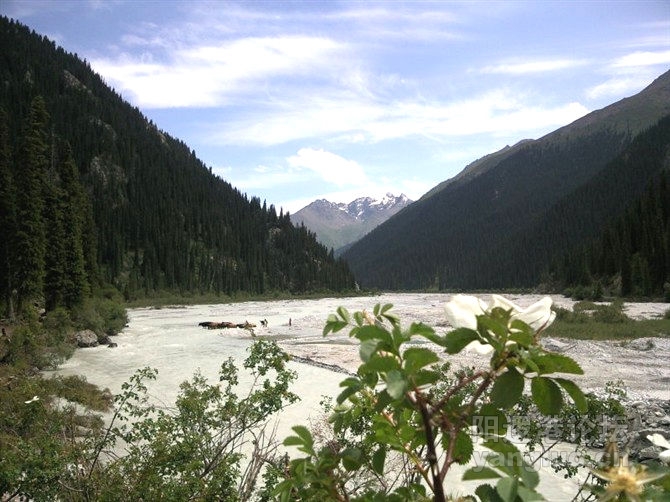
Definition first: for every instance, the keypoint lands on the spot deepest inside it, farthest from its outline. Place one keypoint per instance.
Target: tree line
(94, 194)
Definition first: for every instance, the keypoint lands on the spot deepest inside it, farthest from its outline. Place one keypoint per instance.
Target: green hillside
(150, 216)
(489, 227)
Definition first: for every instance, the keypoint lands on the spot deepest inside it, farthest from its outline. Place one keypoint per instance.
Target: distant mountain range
(338, 225)
(506, 217)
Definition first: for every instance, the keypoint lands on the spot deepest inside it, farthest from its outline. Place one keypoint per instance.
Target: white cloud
(207, 75)
(329, 166)
(643, 58)
(630, 73)
(526, 67)
(617, 87)
(357, 119)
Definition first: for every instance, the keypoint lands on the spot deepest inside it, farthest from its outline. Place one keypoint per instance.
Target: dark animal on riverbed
(264, 323)
(217, 325)
(225, 325)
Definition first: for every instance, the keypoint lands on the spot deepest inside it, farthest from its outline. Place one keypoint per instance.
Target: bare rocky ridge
(338, 225)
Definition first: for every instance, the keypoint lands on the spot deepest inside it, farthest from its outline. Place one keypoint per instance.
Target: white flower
(34, 399)
(538, 315)
(462, 311)
(479, 347)
(659, 440)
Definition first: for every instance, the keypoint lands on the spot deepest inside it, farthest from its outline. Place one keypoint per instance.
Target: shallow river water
(170, 340)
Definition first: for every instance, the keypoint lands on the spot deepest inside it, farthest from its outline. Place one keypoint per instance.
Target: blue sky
(295, 101)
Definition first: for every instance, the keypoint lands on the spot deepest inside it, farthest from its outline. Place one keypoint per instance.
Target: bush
(610, 314)
(101, 315)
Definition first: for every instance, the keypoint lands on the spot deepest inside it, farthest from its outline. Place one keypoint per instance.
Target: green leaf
(418, 357)
(503, 446)
(303, 440)
(344, 314)
(546, 395)
(487, 493)
(333, 324)
(383, 400)
(386, 308)
(575, 393)
(507, 389)
(528, 495)
(486, 323)
(304, 434)
(557, 363)
(352, 385)
(378, 460)
(507, 489)
(367, 349)
(352, 459)
(345, 394)
(475, 473)
(369, 332)
(463, 448)
(435, 338)
(425, 377)
(457, 340)
(396, 385)
(421, 329)
(521, 333)
(382, 364)
(529, 476)
(392, 318)
(490, 421)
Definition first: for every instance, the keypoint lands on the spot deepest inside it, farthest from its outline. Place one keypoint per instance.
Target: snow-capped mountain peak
(337, 224)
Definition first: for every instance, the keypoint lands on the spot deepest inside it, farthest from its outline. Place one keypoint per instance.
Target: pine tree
(65, 275)
(7, 217)
(73, 208)
(29, 176)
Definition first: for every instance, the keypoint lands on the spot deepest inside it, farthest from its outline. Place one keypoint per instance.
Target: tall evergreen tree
(74, 206)
(65, 275)
(30, 173)
(7, 217)
(54, 256)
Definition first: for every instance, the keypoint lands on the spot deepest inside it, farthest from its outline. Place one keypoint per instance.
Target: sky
(293, 101)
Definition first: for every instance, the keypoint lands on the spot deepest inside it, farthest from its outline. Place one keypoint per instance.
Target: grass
(590, 321)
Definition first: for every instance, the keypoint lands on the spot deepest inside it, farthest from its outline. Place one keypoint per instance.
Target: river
(170, 340)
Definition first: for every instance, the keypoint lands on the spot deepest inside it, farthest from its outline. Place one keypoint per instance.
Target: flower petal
(462, 311)
(479, 347)
(659, 440)
(538, 315)
(504, 303)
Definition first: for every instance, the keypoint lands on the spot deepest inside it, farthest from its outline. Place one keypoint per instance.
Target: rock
(111, 345)
(553, 345)
(86, 338)
(649, 453)
(105, 340)
(642, 344)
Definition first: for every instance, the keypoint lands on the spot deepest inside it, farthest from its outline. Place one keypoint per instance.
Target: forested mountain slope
(581, 217)
(467, 234)
(630, 256)
(160, 219)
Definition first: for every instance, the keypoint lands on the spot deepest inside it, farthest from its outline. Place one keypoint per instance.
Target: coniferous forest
(94, 194)
(542, 213)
